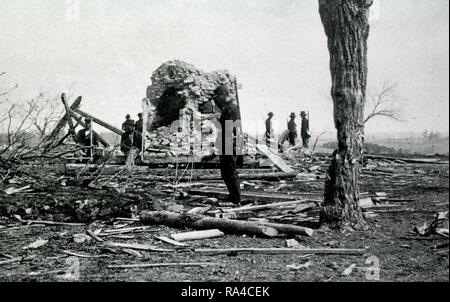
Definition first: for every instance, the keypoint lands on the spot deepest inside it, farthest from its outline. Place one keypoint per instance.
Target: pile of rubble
(178, 112)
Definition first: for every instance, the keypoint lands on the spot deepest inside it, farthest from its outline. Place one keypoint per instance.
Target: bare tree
(47, 112)
(347, 28)
(383, 103)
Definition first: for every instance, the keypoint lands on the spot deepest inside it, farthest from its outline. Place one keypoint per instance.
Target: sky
(106, 51)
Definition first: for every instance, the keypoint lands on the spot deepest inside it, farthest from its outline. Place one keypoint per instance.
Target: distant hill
(425, 145)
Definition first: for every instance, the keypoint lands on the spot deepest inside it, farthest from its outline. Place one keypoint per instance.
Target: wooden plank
(278, 161)
(137, 246)
(100, 122)
(170, 241)
(197, 235)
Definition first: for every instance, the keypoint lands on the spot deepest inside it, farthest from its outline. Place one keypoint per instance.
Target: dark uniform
(269, 130)
(139, 123)
(131, 138)
(83, 137)
(228, 153)
(304, 132)
(292, 127)
(127, 122)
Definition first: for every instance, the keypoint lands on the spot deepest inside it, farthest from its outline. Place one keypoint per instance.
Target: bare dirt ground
(402, 254)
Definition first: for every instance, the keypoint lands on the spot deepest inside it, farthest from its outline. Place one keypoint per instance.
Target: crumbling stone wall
(181, 92)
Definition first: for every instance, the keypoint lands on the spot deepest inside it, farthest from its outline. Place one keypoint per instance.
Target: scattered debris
(148, 265)
(170, 241)
(434, 226)
(282, 251)
(137, 246)
(38, 243)
(299, 266)
(81, 238)
(348, 270)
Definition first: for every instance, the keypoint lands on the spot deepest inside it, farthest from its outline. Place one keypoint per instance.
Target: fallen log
(203, 222)
(197, 235)
(275, 251)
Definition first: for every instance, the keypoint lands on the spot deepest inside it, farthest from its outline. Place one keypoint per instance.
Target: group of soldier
(131, 141)
(290, 134)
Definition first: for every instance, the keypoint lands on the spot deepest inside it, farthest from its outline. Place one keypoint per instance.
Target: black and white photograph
(235, 144)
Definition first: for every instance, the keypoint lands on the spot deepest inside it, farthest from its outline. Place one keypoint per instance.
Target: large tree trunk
(347, 29)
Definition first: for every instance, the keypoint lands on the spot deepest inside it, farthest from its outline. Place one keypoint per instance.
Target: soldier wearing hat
(139, 125)
(131, 142)
(304, 132)
(226, 142)
(87, 137)
(127, 119)
(292, 127)
(269, 129)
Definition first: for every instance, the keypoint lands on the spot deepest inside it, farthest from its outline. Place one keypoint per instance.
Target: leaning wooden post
(69, 117)
(63, 121)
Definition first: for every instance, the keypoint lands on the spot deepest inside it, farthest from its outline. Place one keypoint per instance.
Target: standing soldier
(87, 137)
(292, 127)
(305, 129)
(227, 153)
(269, 130)
(139, 123)
(127, 120)
(131, 143)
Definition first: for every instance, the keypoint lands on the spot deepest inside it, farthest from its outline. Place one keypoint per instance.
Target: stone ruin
(180, 94)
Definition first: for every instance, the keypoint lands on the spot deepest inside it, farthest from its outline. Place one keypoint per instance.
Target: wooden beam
(197, 235)
(277, 161)
(100, 122)
(69, 119)
(80, 120)
(63, 121)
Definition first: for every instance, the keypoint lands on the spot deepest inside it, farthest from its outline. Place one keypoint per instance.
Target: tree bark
(346, 26)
